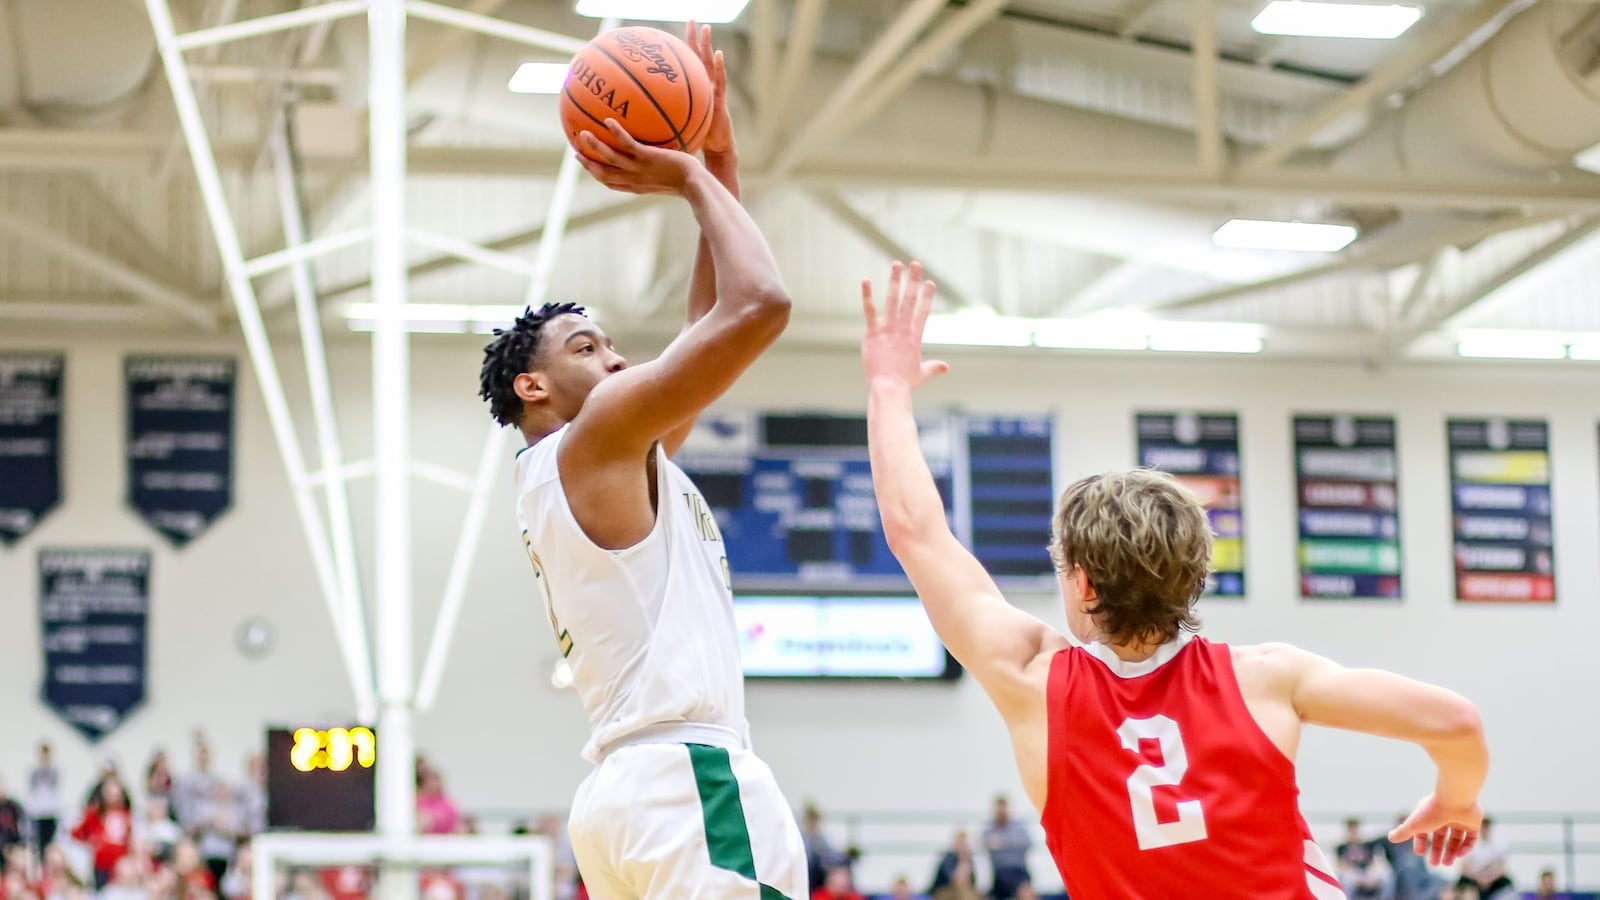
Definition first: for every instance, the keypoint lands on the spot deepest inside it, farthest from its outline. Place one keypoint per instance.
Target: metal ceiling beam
(425, 55)
(1184, 184)
(15, 308)
(149, 288)
(1138, 16)
(763, 57)
(1360, 258)
(889, 45)
(797, 53)
(1104, 290)
(869, 231)
(1579, 232)
(1207, 122)
(891, 84)
(100, 150)
(1419, 288)
(577, 222)
(1393, 73)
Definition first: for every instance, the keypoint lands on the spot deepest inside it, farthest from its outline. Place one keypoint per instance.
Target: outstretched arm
(991, 638)
(722, 161)
(1443, 723)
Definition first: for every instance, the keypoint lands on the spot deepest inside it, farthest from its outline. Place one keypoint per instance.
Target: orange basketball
(649, 81)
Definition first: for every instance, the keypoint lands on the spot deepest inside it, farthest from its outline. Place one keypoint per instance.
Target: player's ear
(531, 387)
(1085, 587)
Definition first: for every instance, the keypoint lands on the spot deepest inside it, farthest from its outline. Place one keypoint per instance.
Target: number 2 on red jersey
(1191, 823)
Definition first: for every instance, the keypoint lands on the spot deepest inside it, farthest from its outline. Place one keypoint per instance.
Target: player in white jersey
(630, 563)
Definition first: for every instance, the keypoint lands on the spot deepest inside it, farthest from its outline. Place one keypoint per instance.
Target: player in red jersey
(1162, 764)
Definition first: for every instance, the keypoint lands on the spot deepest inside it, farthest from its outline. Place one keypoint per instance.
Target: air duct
(76, 63)
(1527, 100)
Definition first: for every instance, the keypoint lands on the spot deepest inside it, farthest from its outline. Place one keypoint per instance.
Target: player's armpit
(992, 639)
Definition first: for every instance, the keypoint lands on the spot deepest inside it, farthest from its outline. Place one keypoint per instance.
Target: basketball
(652, 83)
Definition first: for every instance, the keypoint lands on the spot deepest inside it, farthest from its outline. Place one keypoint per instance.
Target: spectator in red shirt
(836, 886)
(107, 827)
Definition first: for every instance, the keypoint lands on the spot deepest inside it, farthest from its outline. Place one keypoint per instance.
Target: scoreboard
(792, 493)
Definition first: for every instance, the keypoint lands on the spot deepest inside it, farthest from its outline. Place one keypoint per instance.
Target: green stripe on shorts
(727, 835)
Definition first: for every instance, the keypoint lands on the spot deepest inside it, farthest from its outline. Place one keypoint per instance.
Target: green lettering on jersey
(563, 639)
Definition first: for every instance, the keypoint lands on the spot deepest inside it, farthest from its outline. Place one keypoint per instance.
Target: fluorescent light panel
(1336, 20)
(1589, 160)
(706, 12)
(1512, 344)
(538, 78)
(1080, 334)
(1258, 234)
(1205, 337)
(978, 330)
(437, 318)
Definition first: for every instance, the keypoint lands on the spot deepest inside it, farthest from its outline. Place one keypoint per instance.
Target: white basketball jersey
(648, 631)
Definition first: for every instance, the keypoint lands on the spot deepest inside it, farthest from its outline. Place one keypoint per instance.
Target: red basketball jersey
(1163, 787)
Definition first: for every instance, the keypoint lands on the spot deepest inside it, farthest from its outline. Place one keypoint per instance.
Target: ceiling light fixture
(1306, 18)
(436, 318)
(538, 78)
(1307, 237)
(1511, 344)
(706, 12)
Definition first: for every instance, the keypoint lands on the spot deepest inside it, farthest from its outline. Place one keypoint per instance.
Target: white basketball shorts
(686, 822)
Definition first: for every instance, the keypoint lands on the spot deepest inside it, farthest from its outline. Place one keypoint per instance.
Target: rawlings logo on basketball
(582, 74)
(637, 49)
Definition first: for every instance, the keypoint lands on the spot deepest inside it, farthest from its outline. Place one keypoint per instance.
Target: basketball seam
(688, 86)
(677, 134)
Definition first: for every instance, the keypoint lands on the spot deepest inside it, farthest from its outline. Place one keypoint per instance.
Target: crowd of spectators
(159, 834)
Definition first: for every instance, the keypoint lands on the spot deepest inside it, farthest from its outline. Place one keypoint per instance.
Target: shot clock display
(321, 779)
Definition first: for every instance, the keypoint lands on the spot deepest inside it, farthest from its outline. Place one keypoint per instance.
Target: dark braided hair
(510, 354)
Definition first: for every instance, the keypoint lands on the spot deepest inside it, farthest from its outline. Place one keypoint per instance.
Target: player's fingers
(933, 368)
(891, 297)
(1419, 845)
(1467, 843)
(911, 292)
(599, 151)
(919, 317)
(626, 147)
(719, 74)
(868, 310)
(1440, 838)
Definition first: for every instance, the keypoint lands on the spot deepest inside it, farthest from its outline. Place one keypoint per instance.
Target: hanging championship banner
(180, 442)
(1202, 452)
(1500, 498)
(93, 610)
(30, 440)
(1346, 472)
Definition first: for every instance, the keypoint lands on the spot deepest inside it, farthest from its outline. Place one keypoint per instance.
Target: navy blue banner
(180, 442)
(30, 440)
(93, 610)
(1500, 485)
(1347, 470)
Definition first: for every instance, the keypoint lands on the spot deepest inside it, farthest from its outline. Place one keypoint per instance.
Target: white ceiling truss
(1087, 148)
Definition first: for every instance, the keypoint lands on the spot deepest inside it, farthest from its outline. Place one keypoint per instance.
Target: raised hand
(1440, 833)
(892, 348)
(719, 133)
(633, 167)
